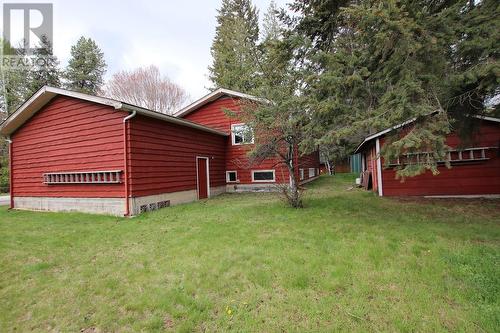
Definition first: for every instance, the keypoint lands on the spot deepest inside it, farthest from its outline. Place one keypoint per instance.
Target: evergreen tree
(272, 28)
(379, 63)
(15, 89)
(86, 68)
(45, 70)
(234, 48)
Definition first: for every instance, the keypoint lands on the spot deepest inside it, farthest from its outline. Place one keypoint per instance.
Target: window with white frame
(301, 174)
(241, 134)
(231, 176)
(263, 176)
(312, 172)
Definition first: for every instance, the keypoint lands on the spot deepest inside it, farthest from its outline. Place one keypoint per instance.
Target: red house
(76, 152)
(240, 175)
(475, 169)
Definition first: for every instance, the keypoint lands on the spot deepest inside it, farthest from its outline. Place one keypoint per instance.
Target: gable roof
(212, 97)
(387, 130)
(46, 94)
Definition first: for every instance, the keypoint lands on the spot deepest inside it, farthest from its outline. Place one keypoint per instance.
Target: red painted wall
(309, 161)
(162, 156)
(467, 178)
(212, 115)
(68, 135)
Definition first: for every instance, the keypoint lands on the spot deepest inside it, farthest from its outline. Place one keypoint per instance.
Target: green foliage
(272, 26)
(21, 82)
(234, 48)
(44, 72)
(4, 167)
(380, 63)
(279, 123)
(13, 80)
(348, 262)
(86, 68)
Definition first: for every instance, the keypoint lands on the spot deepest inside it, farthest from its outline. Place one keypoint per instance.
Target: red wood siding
(309, 161)
(212, 115)
(68, 135)
(162, 157)
(462, 179)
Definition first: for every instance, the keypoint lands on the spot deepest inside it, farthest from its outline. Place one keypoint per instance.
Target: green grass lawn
(349, 261)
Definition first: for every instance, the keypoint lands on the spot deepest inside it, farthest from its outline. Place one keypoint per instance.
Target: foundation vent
(154, 206)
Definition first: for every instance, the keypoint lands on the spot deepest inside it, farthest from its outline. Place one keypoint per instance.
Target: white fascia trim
(213, 96)
(41, 98)
(379, 168)
(497, 120)
(46, 93)
(96, 99)
(264, 181)
(378, 134)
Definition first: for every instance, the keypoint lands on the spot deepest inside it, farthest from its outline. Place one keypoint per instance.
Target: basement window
(83, 177)
(263, 176)
(231, 176)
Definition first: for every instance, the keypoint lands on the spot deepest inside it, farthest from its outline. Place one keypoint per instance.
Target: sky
(173, 35)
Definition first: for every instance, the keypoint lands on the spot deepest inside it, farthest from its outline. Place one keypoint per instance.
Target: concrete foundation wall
(108, 206)
(217, 190)
(116, 206)
(266, 187)
(174, 198)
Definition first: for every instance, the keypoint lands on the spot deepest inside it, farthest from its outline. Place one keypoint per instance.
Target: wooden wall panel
(212, 115)
(162, 156)
(463, 178)
(68, 135)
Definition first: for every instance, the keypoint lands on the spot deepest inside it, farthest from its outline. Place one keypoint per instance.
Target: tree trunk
(329, 167)
(293, 194)
(294, 197)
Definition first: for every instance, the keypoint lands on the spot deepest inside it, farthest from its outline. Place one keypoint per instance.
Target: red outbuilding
(475, 167)
(76, 152)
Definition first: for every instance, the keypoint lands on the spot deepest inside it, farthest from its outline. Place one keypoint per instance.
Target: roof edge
(170, 119)
(45, 94)
(212, 96)
(378, 134)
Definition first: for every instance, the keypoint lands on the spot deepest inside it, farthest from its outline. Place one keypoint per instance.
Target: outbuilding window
(231, 176)
(301, 174)
(312, 172)
(241, 134)
(83, 177)
(263, 176)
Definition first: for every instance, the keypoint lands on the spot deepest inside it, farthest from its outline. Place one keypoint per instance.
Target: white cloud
(174, 35)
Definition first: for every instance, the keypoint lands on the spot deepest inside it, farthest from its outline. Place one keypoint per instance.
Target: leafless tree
(146, 87)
